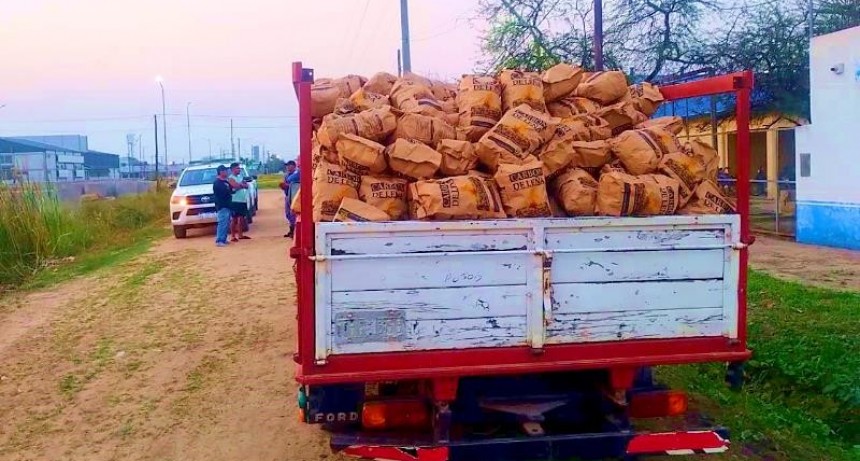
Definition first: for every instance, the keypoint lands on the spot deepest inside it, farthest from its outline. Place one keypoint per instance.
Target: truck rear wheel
(180, 232)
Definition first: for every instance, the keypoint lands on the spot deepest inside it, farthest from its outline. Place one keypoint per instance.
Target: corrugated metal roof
(13, 146)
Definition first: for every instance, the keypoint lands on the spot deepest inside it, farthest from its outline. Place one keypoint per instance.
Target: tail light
(395, 413)
(657, 404)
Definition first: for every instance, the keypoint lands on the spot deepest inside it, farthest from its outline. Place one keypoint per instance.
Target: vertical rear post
(743, 85)
(304, 249)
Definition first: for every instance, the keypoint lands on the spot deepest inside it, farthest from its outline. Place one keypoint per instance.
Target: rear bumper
(580, 446)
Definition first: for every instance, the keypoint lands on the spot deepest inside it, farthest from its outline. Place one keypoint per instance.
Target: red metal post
(302, 80)
(743, 87)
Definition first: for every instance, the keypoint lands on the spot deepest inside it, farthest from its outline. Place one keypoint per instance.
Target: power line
(357, 31)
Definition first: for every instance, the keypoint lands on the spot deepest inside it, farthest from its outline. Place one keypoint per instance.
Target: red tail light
(658, 403)
(395, 413)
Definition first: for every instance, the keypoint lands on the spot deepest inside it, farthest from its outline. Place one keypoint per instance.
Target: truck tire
(180, 232)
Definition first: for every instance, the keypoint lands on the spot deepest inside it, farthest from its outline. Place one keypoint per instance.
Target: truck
(518, 339)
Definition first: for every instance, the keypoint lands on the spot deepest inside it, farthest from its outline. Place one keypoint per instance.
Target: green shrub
(38, 230)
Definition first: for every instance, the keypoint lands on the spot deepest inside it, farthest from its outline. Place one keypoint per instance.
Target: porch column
(723, 148)
(772, 162)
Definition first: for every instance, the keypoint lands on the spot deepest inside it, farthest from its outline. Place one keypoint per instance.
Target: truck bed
(400, 287)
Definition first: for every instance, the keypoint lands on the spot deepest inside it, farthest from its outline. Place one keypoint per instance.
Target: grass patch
(269, 181)
(43, 240)
(802, 397)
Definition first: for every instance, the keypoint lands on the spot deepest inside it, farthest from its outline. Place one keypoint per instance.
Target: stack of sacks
(519, 144)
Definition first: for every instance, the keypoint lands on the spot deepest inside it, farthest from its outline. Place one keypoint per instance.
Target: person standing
(290, 186)
(240, 203)
(223, 202)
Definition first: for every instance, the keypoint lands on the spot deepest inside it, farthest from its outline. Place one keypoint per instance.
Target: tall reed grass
(38, 230)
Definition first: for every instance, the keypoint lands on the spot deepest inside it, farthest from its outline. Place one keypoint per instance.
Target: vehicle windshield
(198, 177)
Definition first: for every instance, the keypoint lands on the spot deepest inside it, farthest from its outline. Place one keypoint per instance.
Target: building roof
(14, 146)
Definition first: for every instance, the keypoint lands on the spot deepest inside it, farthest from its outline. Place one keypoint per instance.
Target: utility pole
(139, 155)
(598, 35)
(404, 32)
(239, 149)
(232, 144)
(155, 119)
(188, 126)
(160, 82)
(811, 19)
(399, 64)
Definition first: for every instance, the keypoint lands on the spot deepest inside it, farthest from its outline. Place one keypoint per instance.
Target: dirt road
(182, 354)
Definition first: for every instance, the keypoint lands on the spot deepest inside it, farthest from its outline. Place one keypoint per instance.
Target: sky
(89, 66)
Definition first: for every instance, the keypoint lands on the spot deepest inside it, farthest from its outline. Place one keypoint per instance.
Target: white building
(828, 159)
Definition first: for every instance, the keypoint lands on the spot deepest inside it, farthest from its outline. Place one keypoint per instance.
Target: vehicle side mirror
(254, 176)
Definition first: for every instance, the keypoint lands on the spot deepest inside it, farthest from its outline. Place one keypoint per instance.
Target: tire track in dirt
(184, 353)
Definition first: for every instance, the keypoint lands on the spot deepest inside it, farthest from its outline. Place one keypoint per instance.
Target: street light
(188, 122)
(160, 82)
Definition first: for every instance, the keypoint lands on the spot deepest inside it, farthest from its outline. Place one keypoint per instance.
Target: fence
(72, 191)
(772, 205)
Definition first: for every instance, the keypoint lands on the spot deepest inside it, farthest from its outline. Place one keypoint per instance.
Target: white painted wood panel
(610, 239)
(439, 303)
(427, 242)
(433, 335)
(637, 266)
(459, 270)
(636, 296)
(650, 324)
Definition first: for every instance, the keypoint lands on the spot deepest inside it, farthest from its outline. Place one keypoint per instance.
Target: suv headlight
(178, 200)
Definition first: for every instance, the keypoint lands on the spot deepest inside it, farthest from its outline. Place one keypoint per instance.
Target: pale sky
(89, 66)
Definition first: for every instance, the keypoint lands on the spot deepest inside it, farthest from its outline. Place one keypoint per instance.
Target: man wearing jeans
(223, 201)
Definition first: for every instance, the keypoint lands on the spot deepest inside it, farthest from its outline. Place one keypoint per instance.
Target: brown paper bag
(363, 99)
(386, 193)
(621, 116)
(523, 190)
(413, 159)
(458, 157)
(374, 124)
(354, 210)
(646, 97)
(620, 194)
(324, 96)
(558, 153)
(688, 170)
(361, 156)
(614, 165)
(672, 124)
(590, 154)
(708, 199)
(641, 150)
(443, 91)
(560, 81)
(576, 190)
(520, 87)
(423, 128)
(380, 83)
(572, 106)
(707, 155)
(518, 135)
(331, 184)
(479, 101)
(411, 95)
(598, 128)
(325, 93)
(603, 87)
(455, 198)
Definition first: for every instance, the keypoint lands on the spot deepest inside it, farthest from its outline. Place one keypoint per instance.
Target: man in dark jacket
(223, 201)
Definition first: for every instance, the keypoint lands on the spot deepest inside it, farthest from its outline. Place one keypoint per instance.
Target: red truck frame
(446, 366)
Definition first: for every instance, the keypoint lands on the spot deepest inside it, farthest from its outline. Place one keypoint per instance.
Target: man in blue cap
(223, 202)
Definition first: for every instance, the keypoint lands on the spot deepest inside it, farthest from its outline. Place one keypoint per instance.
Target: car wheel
(180, 232)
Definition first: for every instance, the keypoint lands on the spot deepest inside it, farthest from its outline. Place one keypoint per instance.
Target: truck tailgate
(412, 286)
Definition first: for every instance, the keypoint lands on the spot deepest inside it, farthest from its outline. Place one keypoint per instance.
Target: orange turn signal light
(658, 404)
(382, 414)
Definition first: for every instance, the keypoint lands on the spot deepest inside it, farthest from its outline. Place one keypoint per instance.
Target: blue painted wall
(829, 223)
